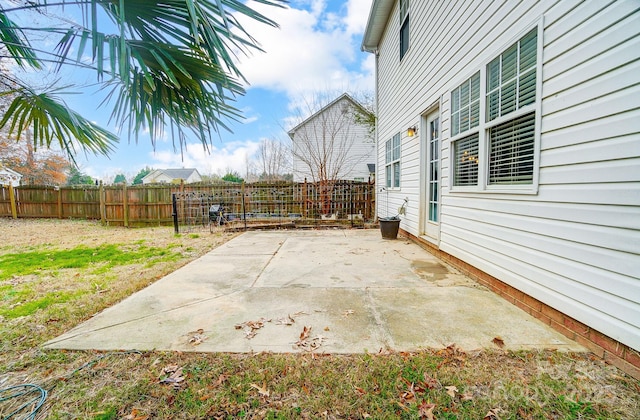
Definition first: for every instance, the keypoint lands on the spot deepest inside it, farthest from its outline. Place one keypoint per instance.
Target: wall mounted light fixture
(412, 131)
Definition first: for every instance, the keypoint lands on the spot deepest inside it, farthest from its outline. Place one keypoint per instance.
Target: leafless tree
(272, 159)
(332, 137)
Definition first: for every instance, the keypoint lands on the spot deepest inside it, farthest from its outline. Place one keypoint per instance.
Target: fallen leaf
(305, 333)
(262, 390)
(452, 354)
(250, 327)
(173, 376)
(359, 390)
(498, 342)
(426, 410)
(451, 390)
(326, 328)
(288, 320)
(430, 382)
(408, 396)
(306, 342)
(492, 414)
(197, 337)
(221, 379)
(466, 397)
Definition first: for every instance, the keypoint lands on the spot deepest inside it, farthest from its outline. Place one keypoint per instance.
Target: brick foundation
(611, 351)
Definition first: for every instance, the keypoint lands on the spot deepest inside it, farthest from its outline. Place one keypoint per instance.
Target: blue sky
(316, 49)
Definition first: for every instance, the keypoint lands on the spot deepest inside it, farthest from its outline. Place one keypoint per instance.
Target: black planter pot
(389, 227)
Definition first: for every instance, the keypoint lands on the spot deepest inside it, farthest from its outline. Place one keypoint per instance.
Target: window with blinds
(392, 161)
(494, 122)
(511, 151)
(511, 77)
(465, 105)
(465, 152)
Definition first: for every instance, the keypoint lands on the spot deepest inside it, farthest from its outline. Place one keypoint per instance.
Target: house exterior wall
(160, 176)
(194, 177)
(156, 177)
(573, 240)
(10, 177)
(349, 146)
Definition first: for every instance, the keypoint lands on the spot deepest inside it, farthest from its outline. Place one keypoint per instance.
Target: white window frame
(483, 185)
(393, 153)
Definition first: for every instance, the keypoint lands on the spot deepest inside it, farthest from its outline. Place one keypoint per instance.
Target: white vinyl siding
(572, 240)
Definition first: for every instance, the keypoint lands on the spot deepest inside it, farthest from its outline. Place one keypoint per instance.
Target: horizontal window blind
(511, 151)
(511, 77)
(465, 152)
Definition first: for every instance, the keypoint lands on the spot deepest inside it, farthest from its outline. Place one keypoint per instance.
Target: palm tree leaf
(12, 37)
(52, 120)
(171, 64)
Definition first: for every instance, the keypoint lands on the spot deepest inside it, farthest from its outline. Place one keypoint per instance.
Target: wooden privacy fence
(141, 205)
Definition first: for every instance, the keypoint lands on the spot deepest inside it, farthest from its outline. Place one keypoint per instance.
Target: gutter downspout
(377, 179)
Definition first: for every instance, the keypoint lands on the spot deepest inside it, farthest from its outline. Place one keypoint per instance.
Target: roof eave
(377, 22)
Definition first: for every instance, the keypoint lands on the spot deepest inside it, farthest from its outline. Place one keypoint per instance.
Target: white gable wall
(575, 244)
(349, 144)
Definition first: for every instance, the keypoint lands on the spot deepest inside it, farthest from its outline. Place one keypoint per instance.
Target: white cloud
(218, 160)
(357, 15)
(312, 50)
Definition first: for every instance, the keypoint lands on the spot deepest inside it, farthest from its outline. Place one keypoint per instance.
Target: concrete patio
(356, 291)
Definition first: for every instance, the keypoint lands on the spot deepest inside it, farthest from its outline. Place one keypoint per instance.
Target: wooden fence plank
(140, 205)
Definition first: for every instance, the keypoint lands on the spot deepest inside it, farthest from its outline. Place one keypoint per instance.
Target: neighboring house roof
(332, 103)
(180, 173)
(376, 24)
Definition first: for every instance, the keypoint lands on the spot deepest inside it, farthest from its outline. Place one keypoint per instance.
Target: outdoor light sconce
(412, 131)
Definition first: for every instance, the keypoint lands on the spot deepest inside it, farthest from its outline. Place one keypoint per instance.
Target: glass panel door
(431, 176)
(434, 167)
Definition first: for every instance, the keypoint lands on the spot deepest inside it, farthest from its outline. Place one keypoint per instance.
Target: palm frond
(50, 119)
(167, 64)
(181, 92)
(12, 37)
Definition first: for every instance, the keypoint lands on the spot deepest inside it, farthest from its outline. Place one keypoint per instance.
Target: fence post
(12, 199)
(103, 206)
(125, 205)
(174, 213)
(244, 210)
(304, 199)
(59, 202)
